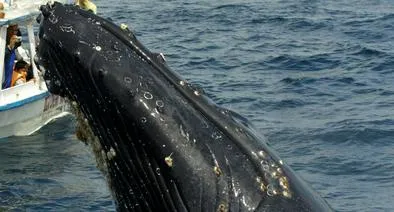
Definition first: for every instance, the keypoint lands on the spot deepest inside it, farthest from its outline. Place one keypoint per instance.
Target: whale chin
(161, 143)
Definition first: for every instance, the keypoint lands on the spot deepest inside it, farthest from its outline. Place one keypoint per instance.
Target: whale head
(162, 144)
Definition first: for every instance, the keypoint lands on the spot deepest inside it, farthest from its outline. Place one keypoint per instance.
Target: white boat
(27, 107)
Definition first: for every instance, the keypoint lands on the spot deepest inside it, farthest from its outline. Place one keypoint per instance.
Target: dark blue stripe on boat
(23, 101)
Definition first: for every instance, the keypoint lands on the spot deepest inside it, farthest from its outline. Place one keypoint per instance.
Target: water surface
(315, 77)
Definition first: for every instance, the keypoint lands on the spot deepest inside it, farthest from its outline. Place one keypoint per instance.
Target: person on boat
(13, 51)
(29, 74)
(9, 59)
(12, 29)
(87, 5)
(19, 73)
(21, 53)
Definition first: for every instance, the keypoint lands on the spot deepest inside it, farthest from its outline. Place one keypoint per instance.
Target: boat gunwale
(24, 101)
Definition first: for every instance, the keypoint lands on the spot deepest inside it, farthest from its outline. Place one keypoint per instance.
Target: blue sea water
(315, 77)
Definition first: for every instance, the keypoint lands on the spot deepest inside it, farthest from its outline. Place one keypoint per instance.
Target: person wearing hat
(19, 73)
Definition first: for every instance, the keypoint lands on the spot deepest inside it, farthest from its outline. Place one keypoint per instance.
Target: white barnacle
(197, 93)
(279, 170)
(286, 193)
(148, 95)
(103, 155)
(98, 48)
(265, 165)
(162, 56)
(123, 26)
(222, 208)
(159, 103)
(182, 82)
(284, 183)
(262, 154)
(216, 135)
(127, 80)
(169, 161)
(263, 187)
(111, 153)
(271, 191)
(274, 174)
(217, 171)
(259, 180)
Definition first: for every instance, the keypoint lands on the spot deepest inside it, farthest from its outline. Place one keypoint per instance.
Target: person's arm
(18, 56)
(23, 54)
(20, 81)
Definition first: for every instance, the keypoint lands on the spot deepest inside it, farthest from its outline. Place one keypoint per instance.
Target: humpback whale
(161, 143)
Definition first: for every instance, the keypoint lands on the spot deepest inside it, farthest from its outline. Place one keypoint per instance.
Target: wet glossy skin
(161, 143)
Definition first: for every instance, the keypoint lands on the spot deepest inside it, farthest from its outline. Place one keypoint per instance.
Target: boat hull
(23, 117)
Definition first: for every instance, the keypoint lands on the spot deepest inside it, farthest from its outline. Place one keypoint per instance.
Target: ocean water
(315, 77)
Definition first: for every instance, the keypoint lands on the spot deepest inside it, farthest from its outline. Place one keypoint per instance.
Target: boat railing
(18, 93)
(24, 3)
